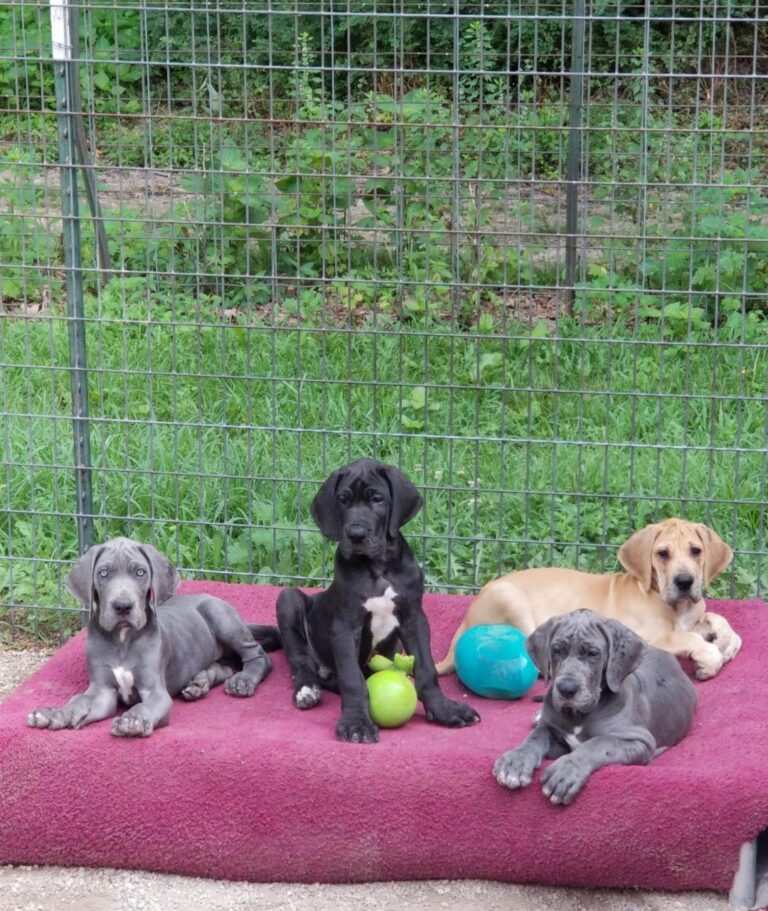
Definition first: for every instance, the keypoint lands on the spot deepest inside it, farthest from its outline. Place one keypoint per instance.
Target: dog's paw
(53, 719)
(709, 660)
(307, 697)
(198, 686)
(563, 780)
(241, 684)
(730, 647)
(515, 768)
(449, 713)
(357, 730)
(717, 631)
(131, 725)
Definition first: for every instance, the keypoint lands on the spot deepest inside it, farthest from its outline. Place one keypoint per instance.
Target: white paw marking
(124, 680)
(382, 611)
(307, 697)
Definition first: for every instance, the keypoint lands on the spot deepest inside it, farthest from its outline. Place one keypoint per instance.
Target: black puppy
(374, 602)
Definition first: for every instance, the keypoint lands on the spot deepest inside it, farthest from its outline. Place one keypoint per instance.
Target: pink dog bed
(256, 790)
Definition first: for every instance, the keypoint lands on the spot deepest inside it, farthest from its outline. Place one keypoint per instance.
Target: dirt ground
(59, 888)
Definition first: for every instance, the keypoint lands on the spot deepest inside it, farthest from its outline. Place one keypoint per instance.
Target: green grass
(212, 438)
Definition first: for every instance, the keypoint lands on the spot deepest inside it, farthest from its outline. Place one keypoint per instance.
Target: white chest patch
(382, 611)
(124, 681)
(573, 740)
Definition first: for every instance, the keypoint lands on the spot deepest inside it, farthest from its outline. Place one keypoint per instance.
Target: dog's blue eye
(103, 573)
(140, 571)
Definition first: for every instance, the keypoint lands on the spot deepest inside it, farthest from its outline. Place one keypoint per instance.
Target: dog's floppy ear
(165, 576)
(80, 579)
(325, 509)
(635, 555)
(625, 652)
(538, 646)
(717, 554)
(405, 500)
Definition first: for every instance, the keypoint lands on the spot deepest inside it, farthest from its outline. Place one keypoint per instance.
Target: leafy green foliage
(478, 56)
(720, 252)
(24, 245)
(26, 71)
(233, 207)
(26, 79)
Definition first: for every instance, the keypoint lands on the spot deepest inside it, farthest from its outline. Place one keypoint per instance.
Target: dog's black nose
(356, 533)
(567, 687)
(122, 606)
(683, 581)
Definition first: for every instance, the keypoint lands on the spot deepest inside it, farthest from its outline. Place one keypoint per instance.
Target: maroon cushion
(256, 790)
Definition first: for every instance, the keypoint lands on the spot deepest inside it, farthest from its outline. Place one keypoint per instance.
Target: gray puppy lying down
(146, 645)
(614, 699)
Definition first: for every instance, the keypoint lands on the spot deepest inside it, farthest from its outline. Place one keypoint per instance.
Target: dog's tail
(448, 663)
(267, 636)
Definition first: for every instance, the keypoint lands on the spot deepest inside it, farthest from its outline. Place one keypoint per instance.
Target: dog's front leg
(514, 769)
(292, 606)
(96, 703)
(414, 632)
(141, 719)
(256, 665)
(200, 685)
(705, 655)
(563, 780)
(355, 724)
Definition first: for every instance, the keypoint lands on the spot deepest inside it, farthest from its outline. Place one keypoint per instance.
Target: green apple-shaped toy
(391, 694)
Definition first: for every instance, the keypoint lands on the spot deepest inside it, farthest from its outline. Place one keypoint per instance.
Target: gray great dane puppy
(146, 645)
(614, 699)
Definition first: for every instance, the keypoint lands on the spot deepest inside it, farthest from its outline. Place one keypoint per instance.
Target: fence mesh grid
(338, 230)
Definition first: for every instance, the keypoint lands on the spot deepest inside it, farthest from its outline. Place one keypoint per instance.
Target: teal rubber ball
(491, 660)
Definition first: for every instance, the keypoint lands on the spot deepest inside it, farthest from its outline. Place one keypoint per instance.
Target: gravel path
(60, 889)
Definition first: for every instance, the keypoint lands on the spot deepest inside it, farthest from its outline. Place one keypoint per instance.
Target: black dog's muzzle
(356, 533)
(359, 539)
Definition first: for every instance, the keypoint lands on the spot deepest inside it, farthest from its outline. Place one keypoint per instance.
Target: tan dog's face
(677, 558)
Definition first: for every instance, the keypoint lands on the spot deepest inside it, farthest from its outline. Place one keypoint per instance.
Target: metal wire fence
(517, 247)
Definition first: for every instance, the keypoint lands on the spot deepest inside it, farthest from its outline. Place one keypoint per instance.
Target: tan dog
(660, 597)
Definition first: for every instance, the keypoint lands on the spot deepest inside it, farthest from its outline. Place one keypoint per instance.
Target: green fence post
(66, 72)
(574, 153)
